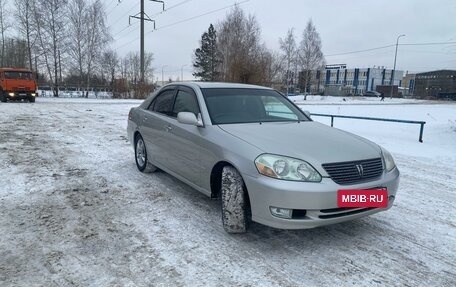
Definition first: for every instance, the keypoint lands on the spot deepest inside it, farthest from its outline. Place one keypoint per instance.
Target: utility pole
(142, 16)
(394, 68)
(182, 73)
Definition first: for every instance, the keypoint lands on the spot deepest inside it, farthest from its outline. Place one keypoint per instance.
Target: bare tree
(239, 43)
(130, 74)
(97, 36)
(49, 17)
(109, 65)
(4, 26)
(24, 15)
(77, 40)
(15, 53)
(310, 55)
(289, 49)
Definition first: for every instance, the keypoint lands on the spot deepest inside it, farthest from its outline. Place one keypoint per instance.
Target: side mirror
(189, 118)
(307, 113)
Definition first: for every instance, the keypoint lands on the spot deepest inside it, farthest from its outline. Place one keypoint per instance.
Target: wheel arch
(216, 180)
(135, 136)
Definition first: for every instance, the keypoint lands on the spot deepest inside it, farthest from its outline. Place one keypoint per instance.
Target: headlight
(388, 160)
(11, 94)
(33, 94)
(286, 168)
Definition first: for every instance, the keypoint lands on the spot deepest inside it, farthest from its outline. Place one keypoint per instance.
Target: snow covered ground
(74, 210)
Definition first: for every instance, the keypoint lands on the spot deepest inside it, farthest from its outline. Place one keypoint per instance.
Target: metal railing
(421, 123)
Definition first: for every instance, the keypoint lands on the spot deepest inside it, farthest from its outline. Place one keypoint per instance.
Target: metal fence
(421, 123)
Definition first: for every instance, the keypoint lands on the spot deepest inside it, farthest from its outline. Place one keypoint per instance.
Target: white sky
(344, 26)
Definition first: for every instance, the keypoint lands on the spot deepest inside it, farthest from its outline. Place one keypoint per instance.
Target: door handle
(144, 119)
(168, 128)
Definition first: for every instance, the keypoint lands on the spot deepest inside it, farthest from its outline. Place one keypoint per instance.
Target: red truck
(17, 84)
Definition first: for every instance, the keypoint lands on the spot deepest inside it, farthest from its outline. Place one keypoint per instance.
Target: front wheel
(32, 99)
(141, 156)
(234, 201)
(3, 97)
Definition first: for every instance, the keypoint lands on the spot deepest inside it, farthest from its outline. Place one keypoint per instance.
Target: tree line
(234, 52)
(67, 43)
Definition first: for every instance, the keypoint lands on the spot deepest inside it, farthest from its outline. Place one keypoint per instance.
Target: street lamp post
(182, 72)
(394, 67)
(163, 81)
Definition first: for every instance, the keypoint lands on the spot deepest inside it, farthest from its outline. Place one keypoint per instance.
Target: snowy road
(74, 211)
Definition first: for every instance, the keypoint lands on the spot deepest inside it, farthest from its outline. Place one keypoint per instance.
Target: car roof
(7, 69)
(218, 85)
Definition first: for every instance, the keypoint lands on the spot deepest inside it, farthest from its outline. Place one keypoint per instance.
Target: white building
(340, 81)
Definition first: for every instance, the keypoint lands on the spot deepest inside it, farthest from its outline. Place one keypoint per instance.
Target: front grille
(353, 172)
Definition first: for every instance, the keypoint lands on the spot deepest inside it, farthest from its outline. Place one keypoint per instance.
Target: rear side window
(163, 103)
(185, 102)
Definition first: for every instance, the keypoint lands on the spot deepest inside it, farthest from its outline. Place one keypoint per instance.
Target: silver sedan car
(262, 155)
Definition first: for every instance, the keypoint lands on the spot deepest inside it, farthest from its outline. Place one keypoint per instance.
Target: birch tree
(289, 49)
(310, 55)
(49, 17)
(4, 26)
(25, 26)
(97, 36)
(77, 40)
(240, 46)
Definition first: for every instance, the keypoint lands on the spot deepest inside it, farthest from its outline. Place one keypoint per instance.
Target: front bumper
(317, 201)
(16, 96)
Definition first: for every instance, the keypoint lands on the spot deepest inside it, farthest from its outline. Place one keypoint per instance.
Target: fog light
(281, 212)
(11, 94)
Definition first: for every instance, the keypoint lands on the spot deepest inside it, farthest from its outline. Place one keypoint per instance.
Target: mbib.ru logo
(362, 198)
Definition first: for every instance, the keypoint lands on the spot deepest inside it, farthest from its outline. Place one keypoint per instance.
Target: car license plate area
(362, 198)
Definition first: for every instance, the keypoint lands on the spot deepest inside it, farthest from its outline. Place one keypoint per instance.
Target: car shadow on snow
(348, 233)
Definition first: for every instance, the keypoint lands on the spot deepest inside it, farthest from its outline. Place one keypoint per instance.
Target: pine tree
(207, 57)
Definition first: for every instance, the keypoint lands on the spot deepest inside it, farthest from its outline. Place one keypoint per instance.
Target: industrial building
(340, 81)
(439, 85)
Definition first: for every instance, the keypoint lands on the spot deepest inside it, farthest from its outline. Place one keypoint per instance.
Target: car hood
(313, 142)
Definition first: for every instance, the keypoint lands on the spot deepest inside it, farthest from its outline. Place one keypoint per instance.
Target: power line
(128, 26)
(112, 9)
(185, 20)
(177, 5)
(360, 51)
(157, 14)
(126, 13)
(198, 16)
(392, 45)
(425, 44)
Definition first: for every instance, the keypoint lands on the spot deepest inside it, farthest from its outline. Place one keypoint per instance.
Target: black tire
(3, 97)
(141, 156)
(32, 99)
(234, 201)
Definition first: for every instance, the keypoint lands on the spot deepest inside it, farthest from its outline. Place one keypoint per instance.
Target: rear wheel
(141, 156)
(234, 201)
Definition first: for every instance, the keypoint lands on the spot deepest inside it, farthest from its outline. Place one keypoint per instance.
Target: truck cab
(17, 84)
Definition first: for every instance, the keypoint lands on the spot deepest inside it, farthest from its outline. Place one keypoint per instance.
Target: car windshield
(18, 75)
(238, 105)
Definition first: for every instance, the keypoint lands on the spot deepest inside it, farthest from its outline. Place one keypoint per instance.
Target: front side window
(185, 102)
(238, 105)
(163, 103)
